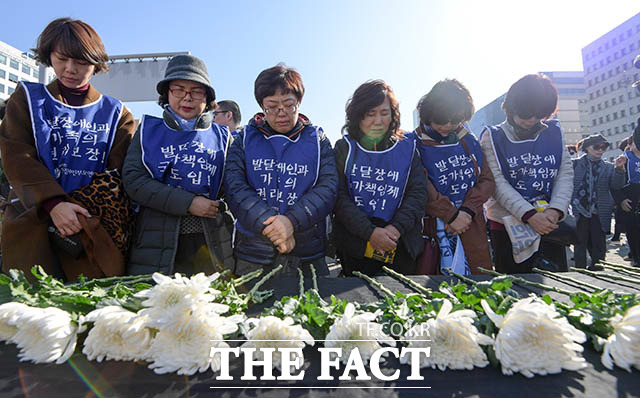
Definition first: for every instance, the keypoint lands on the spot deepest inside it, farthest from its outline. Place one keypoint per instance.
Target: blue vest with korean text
(377, 179)
(451, 169)
(530, 166)
(72, 141)
(279, 168)
(192, 160)
(633, 167)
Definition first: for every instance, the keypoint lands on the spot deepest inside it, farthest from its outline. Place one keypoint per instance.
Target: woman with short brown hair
(54, 140)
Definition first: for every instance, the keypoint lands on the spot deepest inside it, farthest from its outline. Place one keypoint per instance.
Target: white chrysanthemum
(9, 313)
(171, 301)
(624, 344)
(453, 339)
(535, 339)
(117, 334)
(357, 331)
(45, 335)
(187, 351)
(279, 333)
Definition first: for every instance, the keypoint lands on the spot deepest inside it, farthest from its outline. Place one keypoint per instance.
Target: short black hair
(233, 107)
(448, 101)
(278, 77)
(532, 95)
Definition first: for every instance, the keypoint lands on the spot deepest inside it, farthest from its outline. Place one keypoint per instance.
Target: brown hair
(369, 95)
(74, 39)
(532, 95)
(448, 101)
(278, 77)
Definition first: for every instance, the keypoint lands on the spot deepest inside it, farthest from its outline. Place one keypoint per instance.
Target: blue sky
(337, 45)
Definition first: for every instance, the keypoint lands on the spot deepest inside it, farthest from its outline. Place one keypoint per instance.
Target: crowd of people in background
(196, 191)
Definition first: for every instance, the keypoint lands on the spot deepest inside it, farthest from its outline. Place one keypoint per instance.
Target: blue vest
(633, 167)
(72, 141)
(377, 179)
(530, 166)
(451, 169)
(279, 168)
(192, 160)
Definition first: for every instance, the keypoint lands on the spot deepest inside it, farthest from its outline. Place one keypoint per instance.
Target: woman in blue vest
(280, 180)
(173, 171)
(532, 171)
(630, 203)
(459, 181)
(54, 139)
(382, 190)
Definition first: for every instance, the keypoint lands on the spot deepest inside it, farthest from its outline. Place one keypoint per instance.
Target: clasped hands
(279, 230)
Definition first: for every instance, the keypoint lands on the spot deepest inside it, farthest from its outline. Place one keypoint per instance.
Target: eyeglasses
(274, 110)
(601, 147)
(196, 93)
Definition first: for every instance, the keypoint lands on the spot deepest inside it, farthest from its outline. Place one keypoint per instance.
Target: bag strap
(473, 158)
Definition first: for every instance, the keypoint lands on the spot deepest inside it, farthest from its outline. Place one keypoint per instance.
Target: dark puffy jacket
(353, 227)
(308, 215)
(157, 227)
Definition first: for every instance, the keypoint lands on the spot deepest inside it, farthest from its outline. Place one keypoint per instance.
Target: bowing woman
(54, 139)
(459, 182)
(533, 173)
(173, 171)
(382, 189)
(280, 181)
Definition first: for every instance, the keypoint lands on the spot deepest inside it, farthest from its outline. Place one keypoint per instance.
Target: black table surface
(82, 378)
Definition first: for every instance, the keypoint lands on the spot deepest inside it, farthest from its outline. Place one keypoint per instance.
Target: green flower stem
(606, 276)
(563, 278)
(314, 277)
(627, 267)
(414, 285)
(374, 283)
(464, 279)
(622, 269)
(524, 282)
(301, 283)
(105, 282)
(265, 278)
(247, 277)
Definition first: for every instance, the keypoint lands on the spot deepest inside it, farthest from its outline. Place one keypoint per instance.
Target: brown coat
(474, 240)
(25, 240)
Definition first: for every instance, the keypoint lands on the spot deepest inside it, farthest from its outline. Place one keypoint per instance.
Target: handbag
(71, 244)
(428, 263)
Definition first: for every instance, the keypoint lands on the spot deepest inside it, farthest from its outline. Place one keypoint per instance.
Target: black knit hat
(186, 67)
(593, 139)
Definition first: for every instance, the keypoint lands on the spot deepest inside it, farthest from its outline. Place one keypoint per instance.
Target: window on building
(624, 51)
(590, 95)
(3, 59)
(10, 90)
(606, 104)
(613, 101)
(1, 88)
(612, 87)
(608, 118)
(621, 98)
(600, 120)
(3, 74)
(606, 45)
(597, 79)
(615, 55)
(618, 69)
(617, 129)
(14, 64)
(615, 115)
(26, 69)
(36, 73)
(623, 113)
(594, 122)
(597, 93)
(609, 131)
(593, 108)
(638, 108)
(624, 128)
(13, 78)
(599, 106)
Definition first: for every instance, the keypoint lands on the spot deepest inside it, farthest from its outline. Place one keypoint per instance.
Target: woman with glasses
(592, 202)
(382, 189)
(533, 175)
(280, 180)
(173, 171)
(459, 180)
(55, 141)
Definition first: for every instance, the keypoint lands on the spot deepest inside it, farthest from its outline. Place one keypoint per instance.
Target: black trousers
(503, 254)
(632, 226)
(590, 237)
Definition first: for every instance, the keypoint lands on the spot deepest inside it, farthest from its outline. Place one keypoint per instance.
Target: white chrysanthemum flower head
(117, 334)
(171, 301)
(273, 332)
(46, 335)
(188, 351)
(453, 339)
(357, 331)
(535, 339)
(9, 314)
(624, 344)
